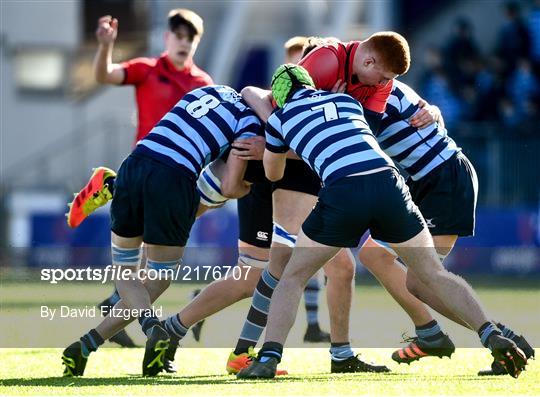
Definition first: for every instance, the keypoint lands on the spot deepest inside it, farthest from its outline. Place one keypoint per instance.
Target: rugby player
(365, 70)
(159, 84)
(419, 149)
(155, 202)
(443, 184)
(362, 189)
(294, 49)
(256, 231)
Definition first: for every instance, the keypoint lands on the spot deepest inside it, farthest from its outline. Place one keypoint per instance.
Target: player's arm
(427, 115)
(259, 100)
(275, 153)
(232, 181)
(105, 71)
(274, 165)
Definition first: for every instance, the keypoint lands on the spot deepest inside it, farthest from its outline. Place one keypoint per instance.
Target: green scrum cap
(286, 79)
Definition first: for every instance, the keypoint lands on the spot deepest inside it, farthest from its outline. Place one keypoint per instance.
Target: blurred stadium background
(479, 61)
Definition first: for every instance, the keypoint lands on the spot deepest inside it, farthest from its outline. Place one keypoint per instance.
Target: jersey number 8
(202, 106)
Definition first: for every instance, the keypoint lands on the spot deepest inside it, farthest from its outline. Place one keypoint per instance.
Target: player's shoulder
(222, 92)
(325, 54)
(402, 91)
(148, 62)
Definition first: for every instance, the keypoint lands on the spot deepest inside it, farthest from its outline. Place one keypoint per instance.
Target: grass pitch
(201, 372)
(376, 319)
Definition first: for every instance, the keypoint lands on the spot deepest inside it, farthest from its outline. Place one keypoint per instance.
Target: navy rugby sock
(487, 330)
(311, 300)
(147, 321)
(341, 351)
(175, 328)
(429, 333)
(90, 342)
(269, 350)
(258, 313)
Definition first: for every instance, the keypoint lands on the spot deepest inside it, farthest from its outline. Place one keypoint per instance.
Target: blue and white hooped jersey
(200, 128)
(417, 151)
(329, 132)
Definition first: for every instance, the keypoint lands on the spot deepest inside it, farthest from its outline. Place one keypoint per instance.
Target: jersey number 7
(330, 110)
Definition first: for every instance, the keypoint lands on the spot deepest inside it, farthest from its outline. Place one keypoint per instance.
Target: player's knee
(412, 284)
(341, 269)
(248, 287)
(372, 257)
(427, 279)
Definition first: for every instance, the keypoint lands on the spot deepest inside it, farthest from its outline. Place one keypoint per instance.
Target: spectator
(523, 87)
(513, 41)
(159, 82)
(437, 92)
(460, 54)
(534, 31)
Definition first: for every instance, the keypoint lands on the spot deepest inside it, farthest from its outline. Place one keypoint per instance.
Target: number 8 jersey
(329, 132)
(200, 128)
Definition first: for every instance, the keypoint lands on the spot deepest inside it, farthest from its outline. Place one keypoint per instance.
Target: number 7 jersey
(329, 132)
(200, 128)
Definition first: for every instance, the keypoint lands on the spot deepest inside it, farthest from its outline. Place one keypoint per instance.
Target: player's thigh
(444, 244)
(291, 209)
(375, 255)
(395, 217)
(342, 213)
(127, 206)
(255, 221)
(170, 205)
(295, 195)
(126, 242)
(447, 197)
(420, 256)
(307, 258)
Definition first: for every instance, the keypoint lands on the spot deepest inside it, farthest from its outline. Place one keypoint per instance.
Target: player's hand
(249, 148)
(339, 87)
(107, 30)
(426, 116)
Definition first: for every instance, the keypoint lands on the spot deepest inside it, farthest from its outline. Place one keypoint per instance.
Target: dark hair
(181, 17)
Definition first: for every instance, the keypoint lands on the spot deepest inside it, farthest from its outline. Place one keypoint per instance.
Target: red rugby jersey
(330, 63)
(159, 86)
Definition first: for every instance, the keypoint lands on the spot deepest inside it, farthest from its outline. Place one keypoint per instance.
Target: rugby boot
(237, 362)
(96, 193)
(260, 369)
(515, 360)
(417, 349)
(74, 360)
(154, 353)
(354, 364)
(315, 334)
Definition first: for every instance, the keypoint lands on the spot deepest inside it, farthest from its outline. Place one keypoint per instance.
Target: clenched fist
(107, 30)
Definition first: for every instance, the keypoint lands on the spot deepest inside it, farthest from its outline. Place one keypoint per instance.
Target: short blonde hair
(184, 17)
(295, 43)
(393, 50)
(313, 42)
